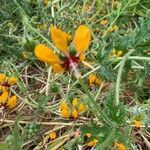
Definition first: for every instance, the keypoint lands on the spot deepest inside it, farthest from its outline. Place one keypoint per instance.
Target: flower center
(6, 84)
(69, 61)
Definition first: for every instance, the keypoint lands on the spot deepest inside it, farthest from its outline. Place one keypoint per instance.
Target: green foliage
(54, 88)
(15, 139)
(116, 113)
(42, 102)
(32, 129)
(100, 133)
(138, 39)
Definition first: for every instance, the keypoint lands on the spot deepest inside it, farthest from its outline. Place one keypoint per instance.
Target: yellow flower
(12, 101)
(64, 105)
(91, 78)
(116, 53)
(4, 97)
(74, 113)
(92, 143)
(2, 77)
(120, 146)
(113, 28)
(81, 108)
(104, 22)
(65, 113)
(137, 123)
(12, 80)
(75, 102)
(61, 39)
(88, 135)
(52, 135)
(94, 80)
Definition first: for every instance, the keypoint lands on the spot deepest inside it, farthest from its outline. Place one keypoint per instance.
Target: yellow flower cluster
(7, 80)
(120, 146)
(91, 143)
(73, 111)
(5, 99)
(116, 53)
(94, 80)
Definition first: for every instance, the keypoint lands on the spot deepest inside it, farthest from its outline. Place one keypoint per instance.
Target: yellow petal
(58, 68)
(12, 80)
(82, 39)
(82, 57)
(59, 38)
(98, 81)
(69, 37)
(4, 97)
(91, 78)
(95, 141)
(65, 113)
(64, 105)
(2, 77)
(75, 102)
(12, 102)
(43, 53)
(74, 114)
(120, 53)
(81, 108)
(91, 143)
(120, 146)
(3, 89)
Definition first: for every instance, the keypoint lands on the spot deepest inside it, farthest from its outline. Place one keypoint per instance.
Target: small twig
(47, 84)
(145, 140)
(42, 123)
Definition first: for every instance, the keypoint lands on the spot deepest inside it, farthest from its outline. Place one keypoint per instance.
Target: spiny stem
(136, 58)
(117, 89)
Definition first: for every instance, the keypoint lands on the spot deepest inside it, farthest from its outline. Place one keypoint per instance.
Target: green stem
(117, 89)
(136, 58)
